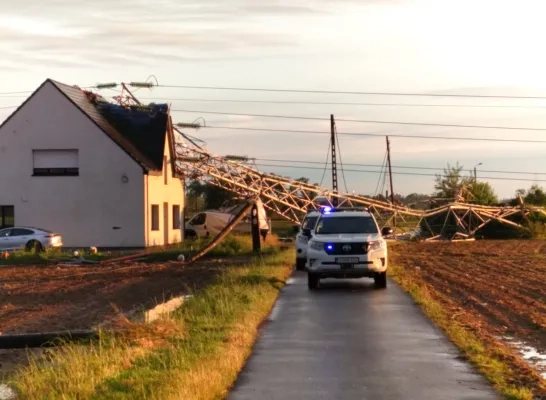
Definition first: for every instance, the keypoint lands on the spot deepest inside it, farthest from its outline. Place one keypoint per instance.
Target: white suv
(301, 240)
(346, 243)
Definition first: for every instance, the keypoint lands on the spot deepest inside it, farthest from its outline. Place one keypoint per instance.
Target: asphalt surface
(348, 341)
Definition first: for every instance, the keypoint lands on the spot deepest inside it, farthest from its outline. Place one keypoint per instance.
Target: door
(5, 235)
(20, 237)
(197, 223)
(166, 223)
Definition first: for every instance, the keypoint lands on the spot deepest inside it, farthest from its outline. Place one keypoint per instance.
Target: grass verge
(511, 377)
(230, 246)
(195, 353)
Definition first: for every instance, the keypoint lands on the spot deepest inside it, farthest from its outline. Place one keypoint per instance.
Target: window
(309, 222)
(336, 225)
(176, 217)
(199, 219)
(155, 217)
(7, 216)
(5, 233)
(21, 232)
(165, 176)
(55, 162)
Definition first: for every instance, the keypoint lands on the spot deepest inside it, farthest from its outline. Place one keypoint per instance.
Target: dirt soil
(50, 298)
(497, 288)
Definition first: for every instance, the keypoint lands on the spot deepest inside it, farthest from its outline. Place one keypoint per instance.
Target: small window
(199, 219)
(7, 216)
(176, 217)
(21, 232)
(155, 217)
(55, 162)
(165, 175)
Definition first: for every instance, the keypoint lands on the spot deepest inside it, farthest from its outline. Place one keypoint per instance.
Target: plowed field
(46, 298)
(496, 287)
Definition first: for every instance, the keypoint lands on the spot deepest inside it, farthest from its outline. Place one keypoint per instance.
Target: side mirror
(386, 231)
(306, 232)
(295, 228)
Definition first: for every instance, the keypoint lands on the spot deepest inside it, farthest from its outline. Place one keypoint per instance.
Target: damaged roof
(140, 133)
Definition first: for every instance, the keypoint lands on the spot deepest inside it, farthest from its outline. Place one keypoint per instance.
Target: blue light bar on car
(329, 210)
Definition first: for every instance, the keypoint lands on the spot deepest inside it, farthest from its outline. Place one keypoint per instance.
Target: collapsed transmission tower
(291, 199)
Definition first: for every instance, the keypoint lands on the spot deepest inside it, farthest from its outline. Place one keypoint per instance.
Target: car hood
(348, 237)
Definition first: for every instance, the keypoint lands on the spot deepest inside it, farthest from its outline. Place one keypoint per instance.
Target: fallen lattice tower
(291, 199)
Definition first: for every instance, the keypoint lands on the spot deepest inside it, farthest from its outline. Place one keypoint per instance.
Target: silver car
(28, 238)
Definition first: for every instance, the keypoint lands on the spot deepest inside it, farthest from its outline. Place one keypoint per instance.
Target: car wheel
(380, 280)
(300, 264)
(312, 281)
(34, 246)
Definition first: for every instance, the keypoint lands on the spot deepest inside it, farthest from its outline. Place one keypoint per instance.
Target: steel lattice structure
(291, 199)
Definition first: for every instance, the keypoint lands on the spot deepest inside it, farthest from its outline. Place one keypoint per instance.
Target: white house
(95, 172)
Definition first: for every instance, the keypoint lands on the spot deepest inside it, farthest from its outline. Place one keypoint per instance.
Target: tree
(535, 196)
(481, 193)
(452, 184)
(212, 195)
(449, 185)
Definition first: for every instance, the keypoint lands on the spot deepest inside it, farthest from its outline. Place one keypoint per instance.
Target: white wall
(158, 193)
(83, 209)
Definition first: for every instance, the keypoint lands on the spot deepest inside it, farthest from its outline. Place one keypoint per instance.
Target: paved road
(349, 341)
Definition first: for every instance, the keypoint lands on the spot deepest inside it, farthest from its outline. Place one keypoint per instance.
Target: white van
(211, 222)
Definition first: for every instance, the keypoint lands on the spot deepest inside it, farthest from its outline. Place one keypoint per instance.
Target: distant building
(95, 172)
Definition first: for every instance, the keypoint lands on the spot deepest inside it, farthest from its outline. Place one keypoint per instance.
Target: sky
(398, 46)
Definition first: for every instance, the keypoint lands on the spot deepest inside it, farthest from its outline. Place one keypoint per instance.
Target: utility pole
(334, 163)
(390, 176)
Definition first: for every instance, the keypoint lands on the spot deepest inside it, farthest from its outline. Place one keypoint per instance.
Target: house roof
(141, 133)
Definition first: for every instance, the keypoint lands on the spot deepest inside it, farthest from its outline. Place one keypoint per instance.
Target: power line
(339, 103)
(32, 91)
(379, 134)
(326, 103)
(365, 121)
(353, 93)
(396, 173)
(380, 174)
(325, 164)
(394, 166)
(19, 92)
(7, 107)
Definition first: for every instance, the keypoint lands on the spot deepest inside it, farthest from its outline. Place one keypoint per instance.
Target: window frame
(3, 224)
(154, 216)
(56, 171)
(177, 223)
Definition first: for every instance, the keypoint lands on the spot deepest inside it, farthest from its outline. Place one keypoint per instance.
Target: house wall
(159, 193)
(85, 208)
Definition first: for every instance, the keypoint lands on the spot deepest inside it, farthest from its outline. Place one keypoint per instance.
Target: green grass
(282, 228)
(231, 245)
(489, 357)
(195, 353)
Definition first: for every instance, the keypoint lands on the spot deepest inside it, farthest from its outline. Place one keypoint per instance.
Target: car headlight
(316, 245)
(376, 245)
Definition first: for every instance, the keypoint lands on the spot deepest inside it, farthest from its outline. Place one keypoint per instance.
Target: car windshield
(309, 222)
(346, 224)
